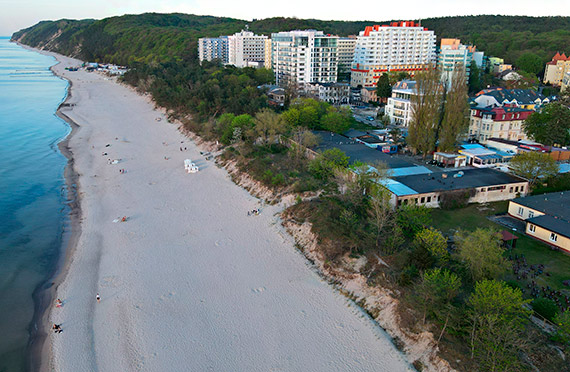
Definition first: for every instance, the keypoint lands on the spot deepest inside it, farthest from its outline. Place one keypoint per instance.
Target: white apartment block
(345, 53)
(399, 46)
(301, 57)
(399, 107)
(210, 48)
(245, 49)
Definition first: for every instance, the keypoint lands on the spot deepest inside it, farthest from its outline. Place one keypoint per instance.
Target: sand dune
(190, 282)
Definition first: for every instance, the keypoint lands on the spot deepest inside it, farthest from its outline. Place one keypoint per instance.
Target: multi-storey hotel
(399, 46)
(210, 48)
(301, 57)
(246, 49)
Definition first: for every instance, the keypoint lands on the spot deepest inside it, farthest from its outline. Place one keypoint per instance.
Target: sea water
(33, 211)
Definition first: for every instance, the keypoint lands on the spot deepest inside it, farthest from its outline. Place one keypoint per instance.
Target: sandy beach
(189, 282)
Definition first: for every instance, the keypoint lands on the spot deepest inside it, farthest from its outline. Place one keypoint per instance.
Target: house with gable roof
(556, 69)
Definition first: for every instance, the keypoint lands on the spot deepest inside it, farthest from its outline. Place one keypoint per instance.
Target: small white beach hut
(190, 167)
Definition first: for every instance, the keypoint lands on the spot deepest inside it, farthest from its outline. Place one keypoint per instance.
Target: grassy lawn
(468, 218)
(557, 264)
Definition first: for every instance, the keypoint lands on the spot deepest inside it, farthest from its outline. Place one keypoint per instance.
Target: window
(530, 214)
(516, 189)
(429, 199)
(531, 228)
(511, 189)
(553, 237)
(520, 211)
(423, 200)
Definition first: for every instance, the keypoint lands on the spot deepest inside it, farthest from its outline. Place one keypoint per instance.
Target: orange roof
(369, 29)
(560, 57)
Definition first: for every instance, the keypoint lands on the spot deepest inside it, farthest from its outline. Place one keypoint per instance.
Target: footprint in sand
(223, 242)
(258, 290)
(111, 281)
(167, 296)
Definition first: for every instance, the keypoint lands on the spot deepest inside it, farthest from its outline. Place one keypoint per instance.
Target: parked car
(370, 118)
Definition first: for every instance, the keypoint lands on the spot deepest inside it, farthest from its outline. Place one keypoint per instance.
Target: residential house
(556, 69)
(504, 122)
(523, 98)
(547, 217)
(333, 93)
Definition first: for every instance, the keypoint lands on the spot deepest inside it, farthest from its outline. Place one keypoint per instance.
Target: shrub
(545, 307)
(278, 180)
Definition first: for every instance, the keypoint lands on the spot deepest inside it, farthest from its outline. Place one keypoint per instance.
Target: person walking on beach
(56, 328)
(98, 298)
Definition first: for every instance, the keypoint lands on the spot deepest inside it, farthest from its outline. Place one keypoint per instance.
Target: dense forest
(155, 37)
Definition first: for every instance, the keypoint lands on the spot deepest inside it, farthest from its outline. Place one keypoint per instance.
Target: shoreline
(45, 294)
(47, 351)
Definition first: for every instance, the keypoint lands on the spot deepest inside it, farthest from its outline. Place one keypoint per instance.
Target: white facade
(210, 48)
(399, 108)
(400, 46)
(345, 53)
(301, 57)
(246, 49)
(333, 93)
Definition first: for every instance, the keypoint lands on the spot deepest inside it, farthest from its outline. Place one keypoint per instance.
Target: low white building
(333, 93)
(399, 106)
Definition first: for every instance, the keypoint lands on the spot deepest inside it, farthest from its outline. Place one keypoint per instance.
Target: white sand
(189, 282)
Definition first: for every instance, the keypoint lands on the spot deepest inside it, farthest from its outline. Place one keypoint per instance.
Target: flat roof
(472, 178)
(557, 225)
(357, 151)
(555, 204)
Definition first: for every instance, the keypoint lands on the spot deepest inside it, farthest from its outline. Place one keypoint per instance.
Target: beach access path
(189, 282)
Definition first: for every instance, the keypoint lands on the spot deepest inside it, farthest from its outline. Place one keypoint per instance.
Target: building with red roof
(556, 69)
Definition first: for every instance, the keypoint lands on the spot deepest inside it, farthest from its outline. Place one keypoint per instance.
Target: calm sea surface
(32, 193)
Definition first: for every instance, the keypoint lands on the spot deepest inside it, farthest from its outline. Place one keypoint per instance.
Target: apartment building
(333, 93)
(301, 57)
(503, 122)
(210, 48)
(399, 46)
(556, 69)
(345, 53)
(454, 55)
(267, 59)
(399, 106)
(246, 49)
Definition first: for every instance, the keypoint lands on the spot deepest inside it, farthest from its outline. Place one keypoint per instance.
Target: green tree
(455, 115)
(530, 62)
(413, 218)
(309, 117)
(326, 164)
(474, 78)
(425, 111)
(335, 122)
(549, 126)
(268, 124)
(482, 253)
(436, 289)
(434, 242)
(384, 87)
(380, 210)
(498, 317)
(533, 165)
(545, 307)
(292, 116)
(562, 321)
